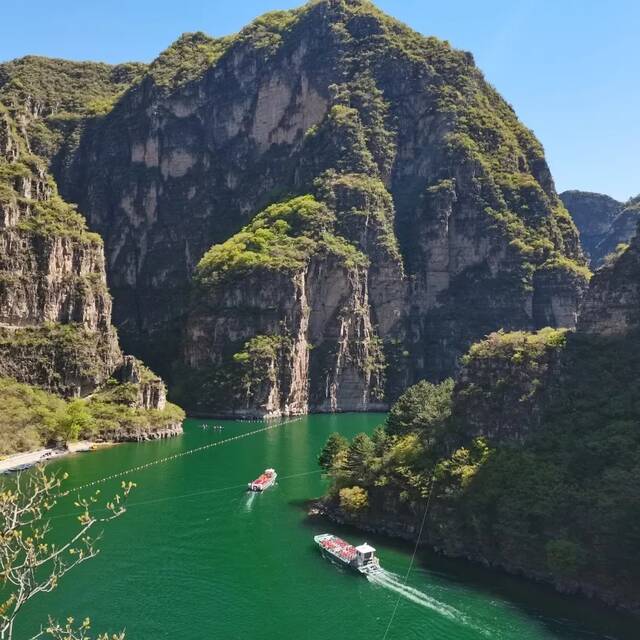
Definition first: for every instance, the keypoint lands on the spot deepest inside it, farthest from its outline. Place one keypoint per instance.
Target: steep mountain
(55, 309)
(326, 201)
(604, 223)
(530, 458)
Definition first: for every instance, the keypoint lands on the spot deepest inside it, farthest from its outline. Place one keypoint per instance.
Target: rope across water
(154, 463)
(191, 494)
(413, 557)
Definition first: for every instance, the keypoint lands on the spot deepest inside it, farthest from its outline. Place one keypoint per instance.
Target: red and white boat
(264, 481)
(361, 559)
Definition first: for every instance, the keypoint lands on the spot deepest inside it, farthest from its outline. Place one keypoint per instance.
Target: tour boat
(361, 559)
(266, 480)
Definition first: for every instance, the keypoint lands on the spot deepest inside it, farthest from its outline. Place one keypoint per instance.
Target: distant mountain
(604, 223)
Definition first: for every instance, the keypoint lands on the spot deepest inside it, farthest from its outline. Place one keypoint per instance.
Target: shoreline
(20, 461)
(320, 510)
(238, 416)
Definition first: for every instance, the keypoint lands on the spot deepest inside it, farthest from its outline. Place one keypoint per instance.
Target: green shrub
(423, 408)
(353, 499)
(334, 445)
(280, 238)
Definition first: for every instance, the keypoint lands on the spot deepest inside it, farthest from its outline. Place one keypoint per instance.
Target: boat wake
(394, 583)
(249, 501)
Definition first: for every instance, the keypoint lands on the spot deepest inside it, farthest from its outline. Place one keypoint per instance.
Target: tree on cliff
(423, 408)
(359, 456)
(30, 563)
(334, 445)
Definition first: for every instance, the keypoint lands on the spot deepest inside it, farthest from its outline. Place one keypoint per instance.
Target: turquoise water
(197, 557)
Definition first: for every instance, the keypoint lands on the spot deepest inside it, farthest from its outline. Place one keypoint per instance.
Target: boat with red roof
(264, 481)
(361, 558)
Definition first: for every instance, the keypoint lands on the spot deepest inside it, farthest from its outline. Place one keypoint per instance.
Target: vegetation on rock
(280, 238)
(323, 92)
(31, 418)
(57, 356)
(56, 332)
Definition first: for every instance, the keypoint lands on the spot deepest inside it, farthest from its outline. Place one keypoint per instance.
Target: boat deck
(338, 547)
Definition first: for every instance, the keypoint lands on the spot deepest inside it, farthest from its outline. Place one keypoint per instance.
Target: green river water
(195, 557)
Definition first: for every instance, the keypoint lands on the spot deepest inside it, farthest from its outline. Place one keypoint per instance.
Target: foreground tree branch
(29, 562)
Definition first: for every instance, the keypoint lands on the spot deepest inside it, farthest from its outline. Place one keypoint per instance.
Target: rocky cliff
(612, 306)
(604, 223)
(55, 309)
(215, 131)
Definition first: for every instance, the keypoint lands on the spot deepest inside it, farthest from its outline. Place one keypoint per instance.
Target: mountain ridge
(386, 101)
(604, 223)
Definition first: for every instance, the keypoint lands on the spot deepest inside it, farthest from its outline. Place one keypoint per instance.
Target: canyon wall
(55, 307)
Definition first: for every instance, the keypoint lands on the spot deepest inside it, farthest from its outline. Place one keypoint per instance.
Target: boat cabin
(365, 555)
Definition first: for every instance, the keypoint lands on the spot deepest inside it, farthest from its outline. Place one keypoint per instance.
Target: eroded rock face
(314, 340)
(53, 279)
(55, 310)
(151, 392)
(557, 294)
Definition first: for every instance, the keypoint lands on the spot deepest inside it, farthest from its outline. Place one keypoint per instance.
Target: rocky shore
(409, 530)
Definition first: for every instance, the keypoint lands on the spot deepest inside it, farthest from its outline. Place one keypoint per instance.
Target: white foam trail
(394, 583)
(249, 501)
(390, 581)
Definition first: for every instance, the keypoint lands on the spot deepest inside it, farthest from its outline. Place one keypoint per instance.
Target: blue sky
(571, 68)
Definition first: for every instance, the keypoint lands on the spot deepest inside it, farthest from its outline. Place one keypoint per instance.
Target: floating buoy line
(182, 454)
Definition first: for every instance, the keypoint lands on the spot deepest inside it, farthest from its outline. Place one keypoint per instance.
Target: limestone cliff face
(324, 340)
(55, 311)
(218, 129)
(309, 337)
(557, 294)
(612, 305)
(151, 392)
(604, 223)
